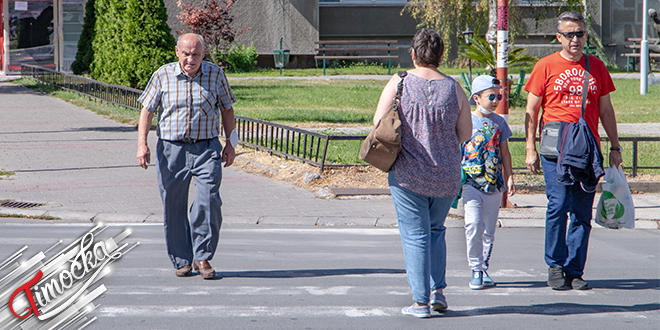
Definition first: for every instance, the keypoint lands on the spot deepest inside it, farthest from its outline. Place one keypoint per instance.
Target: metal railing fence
(635, 140)
(307, 146)
(117, 95)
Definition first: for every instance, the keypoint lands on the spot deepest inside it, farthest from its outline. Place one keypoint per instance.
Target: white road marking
(221, 311)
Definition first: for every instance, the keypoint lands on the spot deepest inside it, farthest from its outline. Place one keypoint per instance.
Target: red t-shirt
(560, 82)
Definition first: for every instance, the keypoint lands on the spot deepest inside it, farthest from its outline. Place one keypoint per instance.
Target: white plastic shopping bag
(615, 208)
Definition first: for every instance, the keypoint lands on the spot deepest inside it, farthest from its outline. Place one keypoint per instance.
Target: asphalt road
(277, 277)
(348, 278)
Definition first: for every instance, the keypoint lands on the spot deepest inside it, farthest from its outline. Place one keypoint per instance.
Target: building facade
(41, 33)
(46, 32)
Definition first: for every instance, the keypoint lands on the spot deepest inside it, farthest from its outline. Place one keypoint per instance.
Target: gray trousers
(195, 236)
(481, 213)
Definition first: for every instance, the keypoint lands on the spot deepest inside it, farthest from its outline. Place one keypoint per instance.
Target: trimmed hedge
(85, 53)
(131, 41)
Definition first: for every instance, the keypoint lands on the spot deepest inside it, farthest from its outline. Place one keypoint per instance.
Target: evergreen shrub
(132, 41)
(85, 53)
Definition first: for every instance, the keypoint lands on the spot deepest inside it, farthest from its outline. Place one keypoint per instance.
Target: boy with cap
(486, 163)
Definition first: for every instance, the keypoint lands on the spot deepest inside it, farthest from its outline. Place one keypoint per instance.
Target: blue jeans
(193, 233)
(562, 248)
(421, 222)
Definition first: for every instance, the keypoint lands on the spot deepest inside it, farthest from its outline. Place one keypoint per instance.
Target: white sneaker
(421, 311)
(438, 301)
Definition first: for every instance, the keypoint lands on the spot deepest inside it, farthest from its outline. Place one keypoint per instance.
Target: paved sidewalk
(82, 167)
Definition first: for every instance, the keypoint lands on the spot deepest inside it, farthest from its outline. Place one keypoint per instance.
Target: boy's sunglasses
(492, 97)
(570, 35)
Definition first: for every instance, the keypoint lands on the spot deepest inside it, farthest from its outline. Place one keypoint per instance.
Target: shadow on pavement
(81, 129)
(613, 284)
(626, 284)
(106, 129)
(554, 309)
(10, 88)
(312, 272)
(522, 284)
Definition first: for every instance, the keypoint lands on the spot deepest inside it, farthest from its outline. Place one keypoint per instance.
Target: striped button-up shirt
(188, 108)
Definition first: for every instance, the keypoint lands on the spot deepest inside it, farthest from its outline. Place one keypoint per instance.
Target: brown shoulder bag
(383, 143)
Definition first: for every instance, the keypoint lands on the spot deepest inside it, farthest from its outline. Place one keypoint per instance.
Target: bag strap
(585, 90)
(399, 89)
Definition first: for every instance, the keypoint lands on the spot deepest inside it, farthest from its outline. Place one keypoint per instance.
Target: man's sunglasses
(570, 35)
(491, 97)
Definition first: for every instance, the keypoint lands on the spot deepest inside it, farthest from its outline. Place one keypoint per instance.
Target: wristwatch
(616, 149)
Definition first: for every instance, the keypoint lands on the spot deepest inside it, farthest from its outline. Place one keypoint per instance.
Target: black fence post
(634, 161)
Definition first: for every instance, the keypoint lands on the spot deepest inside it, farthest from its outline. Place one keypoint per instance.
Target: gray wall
(613, 20)
(269, 20)
(302, 22)
(540, 26)
(361, 22)
(264, 22)
(296, 21)
(623, 19)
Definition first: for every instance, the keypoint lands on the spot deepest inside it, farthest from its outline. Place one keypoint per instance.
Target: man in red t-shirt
(556, 84)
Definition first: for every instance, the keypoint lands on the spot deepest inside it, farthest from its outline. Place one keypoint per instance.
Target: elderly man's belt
(191, 141)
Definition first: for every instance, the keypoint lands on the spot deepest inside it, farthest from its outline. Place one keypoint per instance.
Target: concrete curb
(453, 221)
(73, 216)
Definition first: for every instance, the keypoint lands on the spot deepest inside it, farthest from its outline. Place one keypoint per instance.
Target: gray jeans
(195, 236)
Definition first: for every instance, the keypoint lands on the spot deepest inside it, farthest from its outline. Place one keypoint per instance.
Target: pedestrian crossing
(344, 278)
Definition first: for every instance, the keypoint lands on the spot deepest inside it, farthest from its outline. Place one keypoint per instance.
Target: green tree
(85, 53)
(451, 17)
(212, 20)
(132, 41)
(483, 53)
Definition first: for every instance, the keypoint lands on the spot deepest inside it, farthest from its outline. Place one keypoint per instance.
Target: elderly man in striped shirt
(191, 97)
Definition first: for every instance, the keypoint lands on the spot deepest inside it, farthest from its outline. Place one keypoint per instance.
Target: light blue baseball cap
(482, 83)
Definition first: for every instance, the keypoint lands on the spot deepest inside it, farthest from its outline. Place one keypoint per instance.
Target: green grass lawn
(354, 101)
(354, 69)
(631, 107)
(335, 102)
(308, 101)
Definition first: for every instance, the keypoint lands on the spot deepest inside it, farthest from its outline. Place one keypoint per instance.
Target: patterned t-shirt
(482, 159)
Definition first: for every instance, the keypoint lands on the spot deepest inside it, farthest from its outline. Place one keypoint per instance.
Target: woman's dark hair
(428, 47)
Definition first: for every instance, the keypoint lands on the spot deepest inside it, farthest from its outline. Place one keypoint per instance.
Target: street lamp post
(467, 34)
(644, 57)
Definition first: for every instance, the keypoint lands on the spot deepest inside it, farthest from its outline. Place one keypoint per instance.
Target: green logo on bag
(612, 208)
